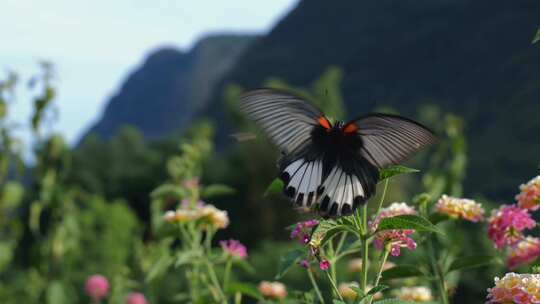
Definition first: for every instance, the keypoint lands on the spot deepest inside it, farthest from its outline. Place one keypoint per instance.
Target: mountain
(164, 93)
(470, 57)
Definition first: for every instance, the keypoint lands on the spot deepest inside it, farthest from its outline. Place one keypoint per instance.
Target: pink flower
(97, 287)
(396, 239)
(515, 288)
(529, 197)
(506, 225)
(304, 263)
(524, 252)
(234, 248)
(136, 298)
(324, 265)
(302, 231)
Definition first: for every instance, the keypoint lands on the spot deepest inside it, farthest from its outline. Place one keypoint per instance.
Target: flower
(234, 248)
(524, 252)
(515, 288)
(304, 263)
(348, 293)
(529, 197)
(217, 218)
(136, 298)
(396, 238)
(324, 265)
(97, 287)
(415, 294)
(460, 208)
(275, 290)
(355, 265)
(301, 229)
(507, 223)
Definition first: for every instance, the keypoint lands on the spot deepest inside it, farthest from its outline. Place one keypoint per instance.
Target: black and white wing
(389, 139)
(289, 122)
(349, 184)
(286, 119)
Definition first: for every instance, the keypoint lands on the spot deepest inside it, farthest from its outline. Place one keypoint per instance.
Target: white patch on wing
(342, 193)
(302, 179)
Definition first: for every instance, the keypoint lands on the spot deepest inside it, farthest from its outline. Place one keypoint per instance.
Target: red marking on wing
(324, 122)
(350, 128)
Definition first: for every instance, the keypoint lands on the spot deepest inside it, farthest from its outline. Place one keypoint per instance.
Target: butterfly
(331, 168)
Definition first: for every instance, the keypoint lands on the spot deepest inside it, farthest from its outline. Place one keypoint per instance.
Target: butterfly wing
(286, 119)
(289, 122)
(389, 139)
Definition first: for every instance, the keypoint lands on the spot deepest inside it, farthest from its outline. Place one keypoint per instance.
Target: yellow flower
(274, 290)
(355, 265)
(460, 208)
(215, 217)
(415, 294)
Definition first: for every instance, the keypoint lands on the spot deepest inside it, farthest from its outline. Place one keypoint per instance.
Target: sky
(95, 44)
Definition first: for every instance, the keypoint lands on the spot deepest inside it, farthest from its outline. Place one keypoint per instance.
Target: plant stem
(215, 281)
(334, 286)
(315, 286)
(437, 271)
(227, 273)
(382, 196)
(384, 257)
(365, 251)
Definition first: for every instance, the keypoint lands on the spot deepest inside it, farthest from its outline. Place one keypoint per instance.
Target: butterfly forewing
(389, 139)
(286, 119)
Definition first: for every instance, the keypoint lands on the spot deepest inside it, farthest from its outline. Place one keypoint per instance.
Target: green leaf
(537, 37)
(471, 262)
(275, 187)
(168, 191)
(216, 190)
(159, 268)
(378, 288)
(327, 229)
(56, 293)
(288, 260)
(407, 221)
(395, 170)
(244, 288)
(402, 271)
(12, 195)
(186, 257)
(338, 302)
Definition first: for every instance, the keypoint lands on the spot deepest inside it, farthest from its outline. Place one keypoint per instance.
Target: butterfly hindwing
(302, 179)
(348, 185)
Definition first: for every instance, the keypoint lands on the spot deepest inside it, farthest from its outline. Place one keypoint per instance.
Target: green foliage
(536, 37)
(407, 221)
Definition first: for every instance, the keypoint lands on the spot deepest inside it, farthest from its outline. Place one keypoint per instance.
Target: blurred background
(97, 96)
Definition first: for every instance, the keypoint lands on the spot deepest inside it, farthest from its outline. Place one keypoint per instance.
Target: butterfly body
(331, 168)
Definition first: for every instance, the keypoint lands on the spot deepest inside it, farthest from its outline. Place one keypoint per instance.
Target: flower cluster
(301, 231)
(273, 290)
(415, 294)
(506, 225)
(234, 248)
(529, 196)
(460, 208)
(524, 252)
(97, 287)
(136, 298)
(515, 288)
(396, 239)
(206, 215)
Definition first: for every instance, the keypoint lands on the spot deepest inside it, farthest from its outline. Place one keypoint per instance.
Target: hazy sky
(96, 43)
